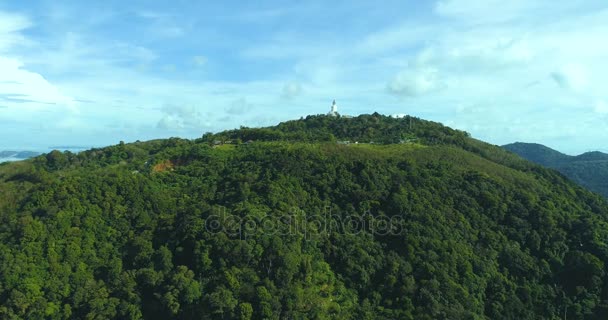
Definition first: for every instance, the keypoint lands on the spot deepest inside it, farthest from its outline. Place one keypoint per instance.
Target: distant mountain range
(589, 169)
(17, 155)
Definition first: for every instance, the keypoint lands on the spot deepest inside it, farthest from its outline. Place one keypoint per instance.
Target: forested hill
(589, 169)
(415, 221)
(373, 128)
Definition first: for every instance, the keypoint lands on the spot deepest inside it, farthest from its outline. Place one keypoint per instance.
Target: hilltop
(589, 169)
(369, 217)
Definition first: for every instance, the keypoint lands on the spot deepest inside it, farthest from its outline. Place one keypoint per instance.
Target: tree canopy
(415, 221)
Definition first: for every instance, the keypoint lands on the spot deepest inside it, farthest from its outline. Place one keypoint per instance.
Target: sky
(93, 73)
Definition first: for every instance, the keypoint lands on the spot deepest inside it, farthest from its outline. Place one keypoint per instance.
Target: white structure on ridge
(334, 110)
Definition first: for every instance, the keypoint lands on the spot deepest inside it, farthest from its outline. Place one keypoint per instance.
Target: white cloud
(28, 86)
(82, 56)
(181, 117)
(415, 82)
(10, 27)
(485, 78)
(10, 22)
(168, 122)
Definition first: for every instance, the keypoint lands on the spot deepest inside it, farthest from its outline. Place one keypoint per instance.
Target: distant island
(12, 155)
(589, 169)
(70, 147)
(18, 155)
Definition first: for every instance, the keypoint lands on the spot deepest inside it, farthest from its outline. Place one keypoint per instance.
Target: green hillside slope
(415, 221)
(588, 169)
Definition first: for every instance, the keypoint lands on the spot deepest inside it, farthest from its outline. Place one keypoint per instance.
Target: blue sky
(94, 73)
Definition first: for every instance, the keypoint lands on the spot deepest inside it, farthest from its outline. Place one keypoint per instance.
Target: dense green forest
(407, 220)
(589, 169)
